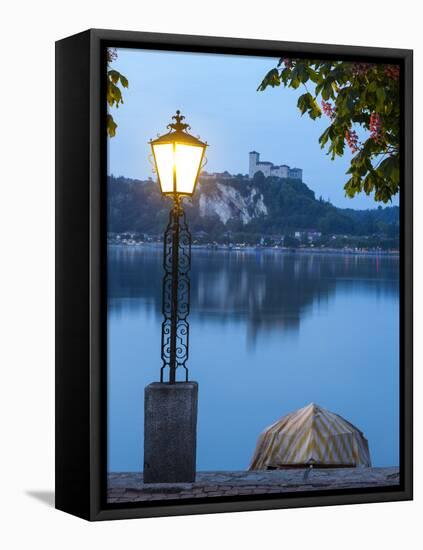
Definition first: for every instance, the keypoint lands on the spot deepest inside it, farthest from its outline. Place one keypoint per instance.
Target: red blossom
(287, 62)
(111, 55)
(376, 129)
(328, 109)
(392, 71)
(361, 69)
(352, 140)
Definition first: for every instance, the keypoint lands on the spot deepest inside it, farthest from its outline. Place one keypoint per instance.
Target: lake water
(270, 332)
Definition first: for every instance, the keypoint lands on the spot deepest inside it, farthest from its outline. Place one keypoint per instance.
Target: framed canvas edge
(258, 505)
(243, 46)
(96, 266)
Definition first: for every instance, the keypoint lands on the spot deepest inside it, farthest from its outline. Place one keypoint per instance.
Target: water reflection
(270, 332)
(269, 290)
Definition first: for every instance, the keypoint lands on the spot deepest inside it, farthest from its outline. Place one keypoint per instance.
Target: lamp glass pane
(163, 154)
(187, 160)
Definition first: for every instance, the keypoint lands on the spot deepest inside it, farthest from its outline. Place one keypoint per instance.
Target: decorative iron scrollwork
(176, 293)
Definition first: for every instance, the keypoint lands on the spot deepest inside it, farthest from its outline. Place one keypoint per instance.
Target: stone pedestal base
(170, 432)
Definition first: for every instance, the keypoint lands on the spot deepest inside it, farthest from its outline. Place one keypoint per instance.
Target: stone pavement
(129, 486)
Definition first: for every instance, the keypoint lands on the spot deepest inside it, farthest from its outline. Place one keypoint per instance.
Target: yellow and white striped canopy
(311, 436)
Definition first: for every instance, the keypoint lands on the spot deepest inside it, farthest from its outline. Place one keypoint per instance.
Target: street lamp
(178, 158)
(170, 408)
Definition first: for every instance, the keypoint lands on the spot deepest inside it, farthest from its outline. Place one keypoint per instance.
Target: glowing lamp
(178, 158)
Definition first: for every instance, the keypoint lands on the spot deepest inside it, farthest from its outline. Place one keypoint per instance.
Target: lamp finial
(178, 125)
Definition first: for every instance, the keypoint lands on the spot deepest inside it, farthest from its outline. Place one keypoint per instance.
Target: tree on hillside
(259, 178)
(352, 96)
(114, 93)
(136, 205)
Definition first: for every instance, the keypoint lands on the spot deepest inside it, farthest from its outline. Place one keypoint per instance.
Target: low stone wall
(129, 486)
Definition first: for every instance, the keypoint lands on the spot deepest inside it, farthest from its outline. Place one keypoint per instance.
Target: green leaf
(302, 73)
(115, 93)
(111, 126)
(380, 103)
(327, 91)
(353, 186)
(389, 169)
(271, 79)
(307, 104)
(285, 75)
(323, 139)
(114, 76)
(314, 75)
(369, 183)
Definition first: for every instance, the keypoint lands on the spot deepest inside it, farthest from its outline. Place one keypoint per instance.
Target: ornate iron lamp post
(170, 408)
(178, 158)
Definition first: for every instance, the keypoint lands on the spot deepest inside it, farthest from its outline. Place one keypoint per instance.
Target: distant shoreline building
(270, 169)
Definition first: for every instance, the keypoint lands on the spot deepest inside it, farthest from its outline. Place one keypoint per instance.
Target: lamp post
(178, 158)
(170, 420)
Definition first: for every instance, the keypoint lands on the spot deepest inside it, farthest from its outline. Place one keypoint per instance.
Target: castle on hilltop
(270, 169)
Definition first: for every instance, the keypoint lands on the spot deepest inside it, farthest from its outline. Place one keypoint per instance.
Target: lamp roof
(179, 133)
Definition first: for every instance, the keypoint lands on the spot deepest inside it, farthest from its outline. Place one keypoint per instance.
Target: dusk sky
(217, 94)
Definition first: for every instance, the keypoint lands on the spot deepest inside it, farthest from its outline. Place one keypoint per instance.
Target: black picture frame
(81, 367)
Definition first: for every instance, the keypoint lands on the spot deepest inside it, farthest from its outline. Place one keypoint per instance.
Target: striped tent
(311, 436)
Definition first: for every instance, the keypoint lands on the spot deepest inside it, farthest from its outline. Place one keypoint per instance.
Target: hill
(252, 208)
